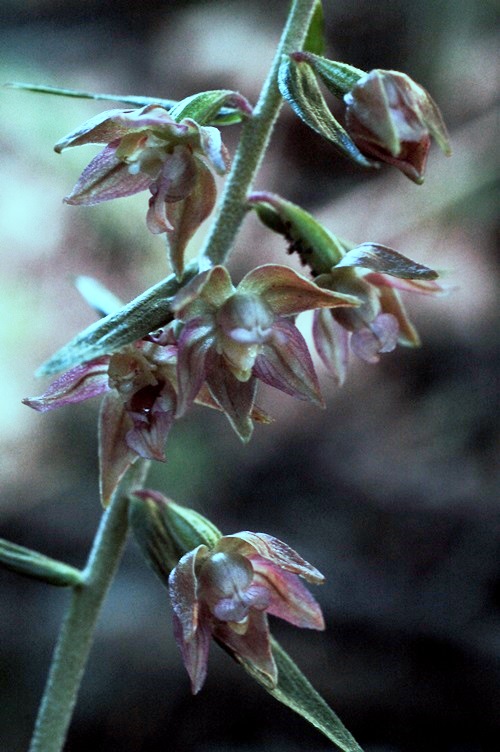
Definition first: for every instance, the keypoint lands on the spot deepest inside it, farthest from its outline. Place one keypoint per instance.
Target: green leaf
(97, 295)
(205, 106)
(315, 39)
(339, 78)
(146, 313)
(37, 566)
(317, 247)
(298, 85)
(224, 116)
(295, 691)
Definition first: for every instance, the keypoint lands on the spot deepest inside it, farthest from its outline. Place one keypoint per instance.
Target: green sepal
(298, 85)
(315, 38)
(165, 531)
(317, 247)
(146, 313)
(339, 78)
(224, 116)
(37, 566)
(295, 691)
(203, 107)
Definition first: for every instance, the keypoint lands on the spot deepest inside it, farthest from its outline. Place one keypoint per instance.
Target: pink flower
(226, 593)
(392, 118)
(374, 273)
(147, 149)
(233, 336)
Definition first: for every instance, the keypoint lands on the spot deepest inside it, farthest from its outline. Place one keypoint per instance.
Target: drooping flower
(226, 593)
(233, 336)
(374, 273)
(391, 118)
(138, 408)
(147, 149)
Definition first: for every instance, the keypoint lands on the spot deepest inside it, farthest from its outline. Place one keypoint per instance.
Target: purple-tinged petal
(235, 398)
(186, 216)
(381, 258)
(209, 289)
(379, 336)
(195, 342)
(253, 646)
(182, 585)
(106, 177)
(102, 128)
(419, 286)
(152, 410)
(289, 598)
(285, 363)
(288, 293)
(272, 550)
(214, 150)
(391, 303)
(79, 384)
(151, 117)
(332, 344)
(194, 651)
(115, 457)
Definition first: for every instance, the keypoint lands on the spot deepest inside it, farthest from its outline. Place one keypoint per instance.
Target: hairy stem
(254, 139)
(77, 630)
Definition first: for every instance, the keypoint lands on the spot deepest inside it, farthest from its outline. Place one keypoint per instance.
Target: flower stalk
(77, 631)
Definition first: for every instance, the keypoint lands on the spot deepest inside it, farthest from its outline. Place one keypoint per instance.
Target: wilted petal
(289, 598)
(106, 177)
(194, 652)
(253, 646)
(285, 363)
(271, 549)
(332, 344)
(79, 384)
(115, 456)
(288, 293)
(235, 398)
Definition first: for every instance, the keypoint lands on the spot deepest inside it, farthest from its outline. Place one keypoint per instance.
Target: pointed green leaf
(224, 116)
(37, 566)
(317, 247)
(295, 691)
(339, 78)
(146, 313)
(315, 39)
(97, 295)
(204, 107)
(298, 85)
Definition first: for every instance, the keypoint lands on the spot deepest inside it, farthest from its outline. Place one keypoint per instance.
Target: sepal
(339, 78)
(298, 85)
(205, 106)
(37, 566)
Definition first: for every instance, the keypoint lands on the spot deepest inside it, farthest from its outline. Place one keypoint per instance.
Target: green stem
(253, 143)
(75, 638)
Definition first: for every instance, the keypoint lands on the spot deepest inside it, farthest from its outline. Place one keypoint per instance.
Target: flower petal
(208, 290)
(195, 342)
(152, 410)
(182, 585)
(380, 336)
(100, 129)
(115, 457)
(236, 398)
(332, 344)
(290, 599)
(288, 293)
(106, 177)
(381, 258)
(390, 302)
(80, 383)
(273, 550)
(194, 652)
(285, 363)
(253, 646)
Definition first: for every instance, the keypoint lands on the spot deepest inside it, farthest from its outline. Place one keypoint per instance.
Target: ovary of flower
(225, 585)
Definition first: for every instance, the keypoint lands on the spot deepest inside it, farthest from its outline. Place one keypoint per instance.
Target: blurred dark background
(391, 491)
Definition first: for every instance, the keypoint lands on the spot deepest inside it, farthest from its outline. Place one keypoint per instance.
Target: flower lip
(246, 319)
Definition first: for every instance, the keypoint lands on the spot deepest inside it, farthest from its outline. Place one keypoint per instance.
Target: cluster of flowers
(220, 340)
